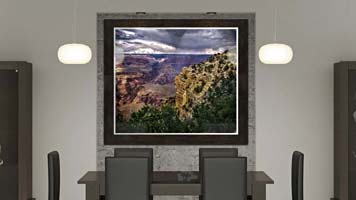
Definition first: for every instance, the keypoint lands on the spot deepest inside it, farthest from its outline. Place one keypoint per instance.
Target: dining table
(175, 183)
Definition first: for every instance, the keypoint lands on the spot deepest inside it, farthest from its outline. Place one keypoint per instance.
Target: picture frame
(143, 20)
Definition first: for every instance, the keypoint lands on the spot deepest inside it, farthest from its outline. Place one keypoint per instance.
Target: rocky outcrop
(194, 81)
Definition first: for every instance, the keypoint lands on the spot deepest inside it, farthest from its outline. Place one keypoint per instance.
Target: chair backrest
(127, 178)
(297, 175)
(135, 153)
(224, 179)
(215, 153)
(53, 176)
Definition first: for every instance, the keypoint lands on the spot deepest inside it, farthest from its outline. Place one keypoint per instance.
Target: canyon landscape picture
(175, 81)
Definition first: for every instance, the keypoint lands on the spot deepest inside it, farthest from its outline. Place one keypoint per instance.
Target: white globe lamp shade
(275, 53)
(74, 54)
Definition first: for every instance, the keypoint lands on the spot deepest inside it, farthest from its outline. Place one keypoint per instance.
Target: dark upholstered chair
(53, 176)
(215, 153)
(297, 175)
(224, 178)
(127, 178)
(136, 153)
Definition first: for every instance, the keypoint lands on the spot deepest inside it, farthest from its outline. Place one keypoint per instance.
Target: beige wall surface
(294, 102)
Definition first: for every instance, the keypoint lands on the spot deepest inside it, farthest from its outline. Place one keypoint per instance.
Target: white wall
(294, 102)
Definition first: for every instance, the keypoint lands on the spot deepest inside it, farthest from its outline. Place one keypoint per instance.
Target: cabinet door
(352, 134)
(8, 135)
(352, 119)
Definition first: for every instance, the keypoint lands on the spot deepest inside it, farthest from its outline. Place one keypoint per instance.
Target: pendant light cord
(275, 24)
(75, 5)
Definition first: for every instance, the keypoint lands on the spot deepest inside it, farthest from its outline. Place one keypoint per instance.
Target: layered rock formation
(194, 81)
(156, 79)
(143, 80)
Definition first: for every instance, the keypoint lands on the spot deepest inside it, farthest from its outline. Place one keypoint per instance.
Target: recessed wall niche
(175, 157)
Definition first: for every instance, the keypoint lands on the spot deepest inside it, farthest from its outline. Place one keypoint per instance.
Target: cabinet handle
(1, 160)
(354, 154)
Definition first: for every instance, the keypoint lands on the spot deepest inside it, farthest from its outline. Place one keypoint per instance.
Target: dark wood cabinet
(15, 130)
(345, 130)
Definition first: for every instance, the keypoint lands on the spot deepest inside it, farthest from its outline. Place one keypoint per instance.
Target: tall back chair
(136, 153)
(224, 179)
(215, 153)
(53, 176)
(297, 175)
(127, 178)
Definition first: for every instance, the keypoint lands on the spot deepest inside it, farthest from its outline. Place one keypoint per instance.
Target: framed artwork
(175, 81)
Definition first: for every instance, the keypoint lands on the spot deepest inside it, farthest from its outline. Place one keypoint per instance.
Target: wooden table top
(176, 177)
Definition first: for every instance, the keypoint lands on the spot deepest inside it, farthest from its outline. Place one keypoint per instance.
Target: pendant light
(74, 53)
(275, 53)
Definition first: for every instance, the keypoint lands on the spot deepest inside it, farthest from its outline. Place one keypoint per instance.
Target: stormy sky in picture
(175, 80)
(175, 41)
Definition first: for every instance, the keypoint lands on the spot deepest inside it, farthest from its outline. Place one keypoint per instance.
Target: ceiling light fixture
(275, 53)
(74, 53)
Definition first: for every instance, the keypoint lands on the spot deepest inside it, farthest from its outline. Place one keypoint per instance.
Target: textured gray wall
(183, 158)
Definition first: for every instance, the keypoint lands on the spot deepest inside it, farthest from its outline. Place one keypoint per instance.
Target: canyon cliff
(195, 81)
(148, 80)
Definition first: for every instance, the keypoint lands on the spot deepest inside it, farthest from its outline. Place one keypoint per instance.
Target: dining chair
(134, 153)
(297, 175)
(127, 178)
(224, 178)
(53, 175)
(215, 153)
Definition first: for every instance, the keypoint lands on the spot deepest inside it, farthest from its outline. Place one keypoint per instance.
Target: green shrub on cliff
(218, 113)
(157, 120)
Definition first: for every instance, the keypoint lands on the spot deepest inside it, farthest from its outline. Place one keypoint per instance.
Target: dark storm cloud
(207, 38)
(175, 40)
